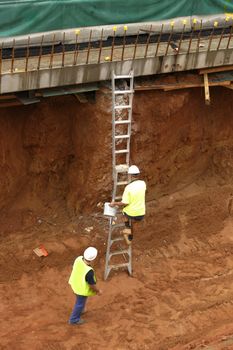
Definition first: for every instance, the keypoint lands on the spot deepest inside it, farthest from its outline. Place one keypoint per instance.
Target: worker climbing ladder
(122, 100)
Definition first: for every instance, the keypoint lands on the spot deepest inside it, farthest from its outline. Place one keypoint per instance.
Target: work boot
(126, 231)
(128, 238)
(127, 224)
(81, 321)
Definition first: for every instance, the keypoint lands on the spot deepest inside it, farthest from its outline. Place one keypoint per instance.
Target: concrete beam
(71, 75)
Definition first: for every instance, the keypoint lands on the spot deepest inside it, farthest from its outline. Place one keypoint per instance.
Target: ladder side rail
(107, 258)
(113, 124)
(116, 171)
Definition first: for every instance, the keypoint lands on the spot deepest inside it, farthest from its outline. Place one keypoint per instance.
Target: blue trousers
(78, 308)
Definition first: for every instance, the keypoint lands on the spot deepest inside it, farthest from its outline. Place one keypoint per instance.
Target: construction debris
(40, 251)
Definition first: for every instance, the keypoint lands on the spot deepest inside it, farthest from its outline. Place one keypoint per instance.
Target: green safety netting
(31, 16)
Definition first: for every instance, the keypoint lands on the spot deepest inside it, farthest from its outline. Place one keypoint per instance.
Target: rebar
(40, 53)
(27, 54)
(211, 35)
(169, 39)
(220, 40)
(52, 52)
(148, 41)
(1, 48)
(89, 47)
(63, 49)
(76, 48)
(101, 45)
(123, 48)
(191, 35)
(13, 56)
(199, 38)
(113, 42)
(228, 43)
(181, 36)
(159, 39)
(135, 46)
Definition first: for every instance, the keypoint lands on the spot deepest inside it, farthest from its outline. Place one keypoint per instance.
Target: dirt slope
(55, 159)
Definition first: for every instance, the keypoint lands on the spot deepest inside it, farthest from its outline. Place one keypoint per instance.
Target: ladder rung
(122, 121)
(117, 266)
(121, 92)
(122, 151)
(122, 224)
(122, 168)
(118, 252)
(118, 226)
(117, 239)
(122, 137)
(118, 197)
(123, 107)
(121, 183)
(123, 76)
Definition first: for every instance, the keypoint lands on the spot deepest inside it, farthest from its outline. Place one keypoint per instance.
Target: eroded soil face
(55, 160)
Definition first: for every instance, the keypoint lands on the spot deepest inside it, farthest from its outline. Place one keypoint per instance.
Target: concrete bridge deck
(95, 64)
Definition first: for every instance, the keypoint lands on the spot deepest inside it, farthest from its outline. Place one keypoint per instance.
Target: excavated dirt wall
(60, 149)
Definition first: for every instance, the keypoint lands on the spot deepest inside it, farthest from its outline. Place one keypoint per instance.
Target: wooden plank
(188, 86)
(229, 86)
(207, 89)
(10, 103)
(7, 97)
(169, 87)
(216, 69)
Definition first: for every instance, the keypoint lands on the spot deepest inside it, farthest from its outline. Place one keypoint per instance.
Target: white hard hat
(133, 170)
(90, 253)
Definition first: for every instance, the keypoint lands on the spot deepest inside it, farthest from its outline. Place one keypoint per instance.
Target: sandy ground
(180, 295)
(55, 162)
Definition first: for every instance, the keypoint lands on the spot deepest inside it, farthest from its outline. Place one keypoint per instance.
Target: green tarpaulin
(33, 16)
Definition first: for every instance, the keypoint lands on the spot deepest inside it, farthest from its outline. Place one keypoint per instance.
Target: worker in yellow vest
(83, 283)
(133, 202)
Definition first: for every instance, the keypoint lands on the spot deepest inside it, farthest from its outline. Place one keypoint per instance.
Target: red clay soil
(55, 160)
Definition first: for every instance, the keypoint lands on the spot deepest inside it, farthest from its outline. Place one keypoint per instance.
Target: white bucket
(109, 211)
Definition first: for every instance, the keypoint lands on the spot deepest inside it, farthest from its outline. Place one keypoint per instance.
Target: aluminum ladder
(122, 101)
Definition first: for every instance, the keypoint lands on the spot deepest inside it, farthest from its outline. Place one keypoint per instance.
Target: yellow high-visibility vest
(77, 278)
(134, 198)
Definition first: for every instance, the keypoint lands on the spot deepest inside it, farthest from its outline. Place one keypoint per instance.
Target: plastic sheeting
(20, 17)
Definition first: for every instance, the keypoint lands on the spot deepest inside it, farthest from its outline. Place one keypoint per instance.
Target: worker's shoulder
(78, 259)
(137, 184)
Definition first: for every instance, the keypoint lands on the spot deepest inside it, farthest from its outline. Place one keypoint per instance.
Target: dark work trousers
(78, 308)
